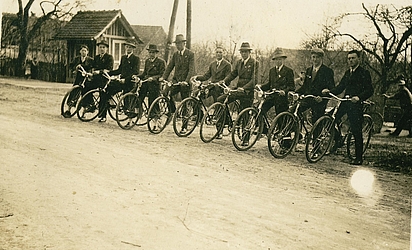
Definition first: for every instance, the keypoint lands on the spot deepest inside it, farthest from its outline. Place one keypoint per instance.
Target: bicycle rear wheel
(248, 127)
(186, 117)
(213, 122)
(113, 101)
(367, 127)
(69, 102)
(234, 110)
(377, 120)
(143, 115)
(319, 139)
(158, 115)
(283, 134)
(128, 111)
(88, 106)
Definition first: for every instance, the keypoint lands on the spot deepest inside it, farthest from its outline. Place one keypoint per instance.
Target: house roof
(91, 24)
(146, 32)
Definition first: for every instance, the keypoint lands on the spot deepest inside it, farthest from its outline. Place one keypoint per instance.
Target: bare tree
(27, 30)
(393, 27)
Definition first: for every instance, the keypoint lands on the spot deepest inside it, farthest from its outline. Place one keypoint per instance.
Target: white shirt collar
(279, 67)
(181, 52)
(316, 69)
(246, 60)
(353, 69)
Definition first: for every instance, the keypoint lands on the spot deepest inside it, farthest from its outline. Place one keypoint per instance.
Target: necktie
(314, 71)
(218, 64)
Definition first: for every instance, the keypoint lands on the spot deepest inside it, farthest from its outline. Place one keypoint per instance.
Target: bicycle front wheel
(367, 127)
(88, 106)
(283, 134)
(69, 102)
(158, 115)
(213, 122)
(319, 139)
(247, 129)
(186, 117)
(128, 111)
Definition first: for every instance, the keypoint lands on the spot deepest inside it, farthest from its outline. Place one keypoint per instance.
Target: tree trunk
(21, 58)
(171, 30)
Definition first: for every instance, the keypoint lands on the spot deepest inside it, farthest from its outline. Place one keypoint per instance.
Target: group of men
(318, 80)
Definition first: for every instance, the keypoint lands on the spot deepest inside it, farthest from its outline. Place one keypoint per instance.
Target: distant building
(150, 35)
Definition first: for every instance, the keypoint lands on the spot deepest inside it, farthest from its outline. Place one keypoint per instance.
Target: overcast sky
(264, 23)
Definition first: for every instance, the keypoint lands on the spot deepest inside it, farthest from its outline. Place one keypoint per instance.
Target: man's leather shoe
(356, 162)
(219, 136)
(102, 119)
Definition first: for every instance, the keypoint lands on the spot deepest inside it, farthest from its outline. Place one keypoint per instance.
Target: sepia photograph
(210, 125)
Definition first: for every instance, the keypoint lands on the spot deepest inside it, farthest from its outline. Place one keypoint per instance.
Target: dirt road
(65, 184)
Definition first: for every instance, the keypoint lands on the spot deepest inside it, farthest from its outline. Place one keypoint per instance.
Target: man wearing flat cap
(281, 78)
(405, 100)
(183, 62)
(246, 70)
(154, 68)
(129, 66)
(317, 78)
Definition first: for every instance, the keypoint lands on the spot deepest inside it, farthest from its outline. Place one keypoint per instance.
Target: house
(91, 27)
(150, 35)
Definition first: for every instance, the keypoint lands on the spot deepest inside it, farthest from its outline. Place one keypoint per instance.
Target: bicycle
(286, 129)
(322, 135)
(190, 111)
(72, 96)
(130, 109)
(89, 111)
(377, 118)
(159, 114)
(250, 122)
(219, 116)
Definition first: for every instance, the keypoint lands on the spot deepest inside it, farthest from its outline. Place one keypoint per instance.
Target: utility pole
(171, 30)
(189, 24)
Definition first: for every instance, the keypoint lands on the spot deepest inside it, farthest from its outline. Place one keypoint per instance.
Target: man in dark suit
(129, 66)
(183, 62)
(405, 101)
(357, 84)
(103, 62)
(317, 78)
(246, 70)
(154, 68)
(216, 72)
(281, 78)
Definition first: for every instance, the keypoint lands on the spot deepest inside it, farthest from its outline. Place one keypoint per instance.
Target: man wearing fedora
(183, 62)
(129, 66)
(154, 68)
(317, 77)
(217, 71)
(281, 78)
(357, 84)
(405, 101)
(246, 70)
